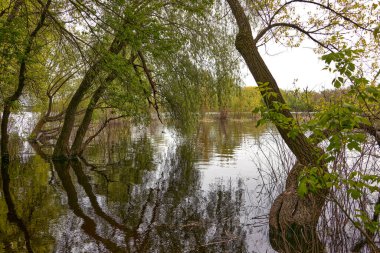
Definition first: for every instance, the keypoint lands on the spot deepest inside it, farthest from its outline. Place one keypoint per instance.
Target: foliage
(303, 100)
(347, 125)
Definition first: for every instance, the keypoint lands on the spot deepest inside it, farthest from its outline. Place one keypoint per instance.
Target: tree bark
(292, 219)
(37, 130)
(61, 150)
(78, 144)
(21, 83)
(82, 130)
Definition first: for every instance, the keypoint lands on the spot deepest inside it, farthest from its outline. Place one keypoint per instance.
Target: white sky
(288, 64)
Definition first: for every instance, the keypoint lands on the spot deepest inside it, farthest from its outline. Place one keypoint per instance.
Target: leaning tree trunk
(82, 130)
(76, 148)
(61, 150)
(293, 220)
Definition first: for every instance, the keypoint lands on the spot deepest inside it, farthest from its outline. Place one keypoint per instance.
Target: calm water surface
(146, 189)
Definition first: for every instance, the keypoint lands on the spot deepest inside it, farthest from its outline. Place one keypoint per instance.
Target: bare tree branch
(326, 7)
(296, 27)
(105, 123)
(152, 83)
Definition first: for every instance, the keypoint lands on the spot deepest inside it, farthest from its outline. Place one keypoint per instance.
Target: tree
(144, 49)
(293, 219)
(25, 54)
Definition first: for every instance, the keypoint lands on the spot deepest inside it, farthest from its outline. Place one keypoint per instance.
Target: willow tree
(145, 51)
(293, 218)
(123, 55)
(20, 38)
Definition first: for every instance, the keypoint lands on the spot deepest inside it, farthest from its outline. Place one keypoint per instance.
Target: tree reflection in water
(12, 215)
(167, 213)
(142, 190)
(137, 202)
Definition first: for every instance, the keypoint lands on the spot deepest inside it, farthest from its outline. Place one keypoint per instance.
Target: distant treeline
(246, 99)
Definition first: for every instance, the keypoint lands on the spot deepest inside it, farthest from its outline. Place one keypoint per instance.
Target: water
(150, 189)
(147, 189)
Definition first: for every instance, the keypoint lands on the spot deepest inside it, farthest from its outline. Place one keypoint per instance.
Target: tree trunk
(37, 129)
(21, 81)
(82, 130)
(37, 132)
(4, 131)
(293, 219)
(61, 150)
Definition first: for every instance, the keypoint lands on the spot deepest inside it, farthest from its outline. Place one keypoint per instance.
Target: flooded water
(147, 189)
(151, 189)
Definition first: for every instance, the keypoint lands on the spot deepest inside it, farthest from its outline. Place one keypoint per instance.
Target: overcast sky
(300, 64)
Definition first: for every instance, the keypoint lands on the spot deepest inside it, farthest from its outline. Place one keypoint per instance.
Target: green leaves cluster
(313, 180)
(342, 123)
(339, 122)
(358, 185)
(275, 113)
(343, 65)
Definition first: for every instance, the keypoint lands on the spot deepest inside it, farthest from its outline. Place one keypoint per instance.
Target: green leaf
(355, 193)
(302, 188)
(351, 67)
(377, 208)
(376, 32)
(337, 83)
(354, 145)
(352, 175)
(261, 122)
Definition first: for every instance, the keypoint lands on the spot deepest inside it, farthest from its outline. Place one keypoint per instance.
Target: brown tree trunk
(4, 131)
(79, 144)
(61, 150)
(21, 81)
(37, 131)
(82, 130)
(292, 219)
